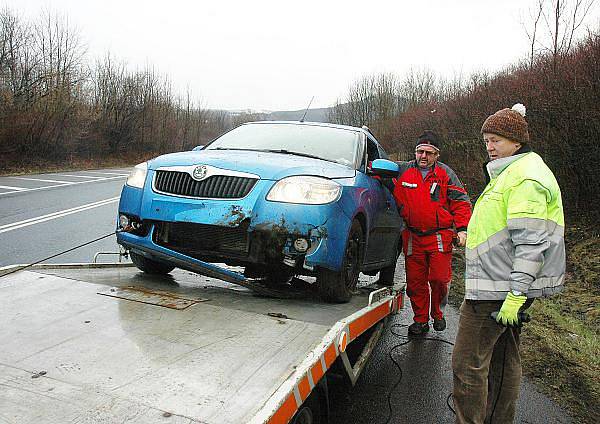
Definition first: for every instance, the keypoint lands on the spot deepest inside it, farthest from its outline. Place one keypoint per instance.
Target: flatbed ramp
(111, 344)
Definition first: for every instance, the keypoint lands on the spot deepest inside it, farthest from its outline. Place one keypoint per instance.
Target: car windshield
(327, 143)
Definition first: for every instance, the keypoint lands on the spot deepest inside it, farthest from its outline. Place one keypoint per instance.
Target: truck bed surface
(99, 345)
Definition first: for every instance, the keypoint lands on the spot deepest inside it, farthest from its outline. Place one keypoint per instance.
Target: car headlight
(138, 175)
(305, 190)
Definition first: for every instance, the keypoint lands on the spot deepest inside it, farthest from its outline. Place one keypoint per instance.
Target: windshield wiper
(235, 148)
(284, 151)
(289, 152)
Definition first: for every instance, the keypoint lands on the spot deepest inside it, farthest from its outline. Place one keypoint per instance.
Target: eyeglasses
(425, 152)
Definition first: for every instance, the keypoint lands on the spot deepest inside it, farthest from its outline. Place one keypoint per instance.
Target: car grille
(192, 239)
(215, 187)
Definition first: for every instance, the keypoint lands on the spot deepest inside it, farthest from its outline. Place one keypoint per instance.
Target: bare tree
(18, 78)
(419, 86)
(60, 51)
(369, 101)
(124, 103)
(562, 20)
(535, 16)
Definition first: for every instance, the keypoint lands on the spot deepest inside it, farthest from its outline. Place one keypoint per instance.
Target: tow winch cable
(20, 268)
(408, 339)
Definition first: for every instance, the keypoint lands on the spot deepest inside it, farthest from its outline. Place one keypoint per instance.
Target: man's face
(426, 156)
(499, 147)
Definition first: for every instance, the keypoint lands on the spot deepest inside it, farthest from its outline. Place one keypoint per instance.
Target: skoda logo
(200, 172)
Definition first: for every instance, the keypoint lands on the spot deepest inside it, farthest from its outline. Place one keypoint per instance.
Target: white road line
(108, 173)
(62, 185)
(39, 179)
(54, 215)
(57, 213)
(77, 176)
(13, 188)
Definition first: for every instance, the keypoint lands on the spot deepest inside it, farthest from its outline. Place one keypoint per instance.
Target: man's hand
(461, 237)
(509, 312)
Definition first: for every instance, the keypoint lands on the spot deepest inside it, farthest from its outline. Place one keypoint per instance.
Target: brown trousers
(486, 365)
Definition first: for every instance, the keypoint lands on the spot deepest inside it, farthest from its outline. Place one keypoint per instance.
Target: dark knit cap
(429, 138)
(509, 123)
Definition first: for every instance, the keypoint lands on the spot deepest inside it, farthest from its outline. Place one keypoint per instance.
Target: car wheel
(337, 286)
(149, 266)
(386, 275)
(309, 412)
(274, 276)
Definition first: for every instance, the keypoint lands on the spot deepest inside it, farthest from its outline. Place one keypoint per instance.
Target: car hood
(269, 166)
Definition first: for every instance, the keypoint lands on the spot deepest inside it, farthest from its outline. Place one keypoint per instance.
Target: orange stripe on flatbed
(285, 412)
(304, 388)
(363, 323)
(317, 372)
(330, 355)
(289, 407)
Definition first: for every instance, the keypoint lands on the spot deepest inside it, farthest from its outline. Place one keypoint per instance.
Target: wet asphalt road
(415, 389)
(41, 215)
(45, 214)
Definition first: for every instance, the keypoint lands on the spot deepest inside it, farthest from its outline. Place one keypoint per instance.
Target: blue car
(277, 198)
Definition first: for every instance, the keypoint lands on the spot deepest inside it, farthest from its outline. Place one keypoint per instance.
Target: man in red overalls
(436, 209)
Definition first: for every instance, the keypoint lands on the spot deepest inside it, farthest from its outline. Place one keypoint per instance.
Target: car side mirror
(384, 168)
(200, 147)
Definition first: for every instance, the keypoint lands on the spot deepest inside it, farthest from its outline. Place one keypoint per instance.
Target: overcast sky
(276, 55)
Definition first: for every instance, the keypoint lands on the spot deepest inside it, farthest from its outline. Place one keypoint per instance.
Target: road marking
(13, 188)
(54, 215)
(109, 173)
(76, 176)
(39, 179)
(62, 185)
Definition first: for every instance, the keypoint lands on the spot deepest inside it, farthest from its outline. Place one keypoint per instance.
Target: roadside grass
(560, 347)
(16, 167)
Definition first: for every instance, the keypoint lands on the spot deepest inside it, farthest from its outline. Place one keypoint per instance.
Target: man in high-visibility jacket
(515, 252)
(435, 208)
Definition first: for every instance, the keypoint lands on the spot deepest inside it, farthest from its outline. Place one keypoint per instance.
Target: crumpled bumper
(257, 230)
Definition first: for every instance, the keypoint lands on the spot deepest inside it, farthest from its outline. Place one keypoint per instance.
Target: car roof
(316, 124)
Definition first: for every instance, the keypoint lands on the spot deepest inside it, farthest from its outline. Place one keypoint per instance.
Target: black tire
(149, 266)
(309, 412)
(253, 271)
(274, 276)
(337, 286)
(386, 275)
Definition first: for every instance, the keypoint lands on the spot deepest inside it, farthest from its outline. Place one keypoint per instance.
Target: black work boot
(418, 328)
(439, 324)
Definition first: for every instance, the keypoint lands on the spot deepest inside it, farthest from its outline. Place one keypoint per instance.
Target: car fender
(130, 202)
(352, 203)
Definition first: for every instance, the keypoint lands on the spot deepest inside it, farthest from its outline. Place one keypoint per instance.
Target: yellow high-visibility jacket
(515, 239)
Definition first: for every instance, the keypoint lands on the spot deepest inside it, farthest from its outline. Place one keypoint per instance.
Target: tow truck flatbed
(106, 343)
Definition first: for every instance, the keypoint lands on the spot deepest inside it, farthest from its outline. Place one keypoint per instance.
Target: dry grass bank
(14, 166)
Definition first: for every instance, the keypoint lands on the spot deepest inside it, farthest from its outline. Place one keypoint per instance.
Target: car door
(384, 217)
(392, 222)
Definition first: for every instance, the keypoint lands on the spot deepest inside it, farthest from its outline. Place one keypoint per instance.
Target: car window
(328, 143)
(382, 153)
(372, 152)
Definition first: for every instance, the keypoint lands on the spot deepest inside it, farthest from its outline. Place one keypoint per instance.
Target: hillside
(312, 115)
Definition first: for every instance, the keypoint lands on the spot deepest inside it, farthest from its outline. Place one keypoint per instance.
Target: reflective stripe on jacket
(438, 201)
(515, 239)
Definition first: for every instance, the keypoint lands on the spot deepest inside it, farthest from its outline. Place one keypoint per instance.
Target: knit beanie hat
(429, 138)
(509, 123)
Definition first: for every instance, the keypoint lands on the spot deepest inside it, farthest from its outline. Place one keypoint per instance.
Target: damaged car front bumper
(251, 230)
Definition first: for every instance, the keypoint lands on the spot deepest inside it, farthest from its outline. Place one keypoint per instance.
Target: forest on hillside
(559, 83)
(55, 105)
